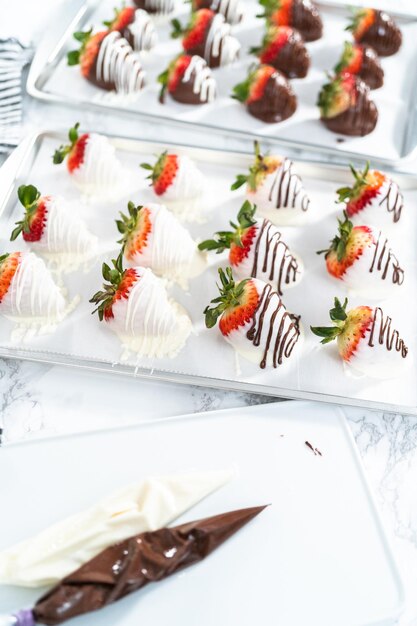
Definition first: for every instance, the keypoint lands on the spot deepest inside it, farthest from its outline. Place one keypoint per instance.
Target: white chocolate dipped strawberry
(51, 229)
(254, 320)
(373, 199)
(136, 26)
(93, 165)
(367, 340)
(276, 189)
(361, 257)
(134, 304)
(258, 250)
(153, 237)
(178, 182)
(28, 294)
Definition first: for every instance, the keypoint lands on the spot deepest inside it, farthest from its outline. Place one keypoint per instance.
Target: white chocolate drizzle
(220, 43)
(204, 83)
(118, 64)
(143, 31)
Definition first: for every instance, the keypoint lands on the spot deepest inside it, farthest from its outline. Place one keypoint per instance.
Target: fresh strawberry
(235, 306)
(88, 52)
(349, 328)
(75, 151)
(163, 173)
(262, 166)
(337, 96)
(278, 11)
(34, 221)
(361, 22)
(347, 247)
(194, 34)
(135, 229)
(253, 88)
(171, 78)
(122, 18)
(8, 266)
(240, 240)
(351, 59)
(367, 185)
(118, 285)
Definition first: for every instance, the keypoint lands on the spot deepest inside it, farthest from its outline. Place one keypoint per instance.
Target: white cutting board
(317, 556)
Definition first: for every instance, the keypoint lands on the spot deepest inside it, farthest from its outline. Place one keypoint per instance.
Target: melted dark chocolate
(130, 565)
(371, 70)
(284, 341)
(212, 60)
(185, 92)
(383, 35)
(306, 19)
(293, 59)
(359, 119)
(280, 264)
(386, 335)
(278, 102)
(386, 262)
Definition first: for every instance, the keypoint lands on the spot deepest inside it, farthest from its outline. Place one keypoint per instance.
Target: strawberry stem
(62, 151)
(338, 316)
(28, 196)
(114, 277)
(224, 239)
(339, 243)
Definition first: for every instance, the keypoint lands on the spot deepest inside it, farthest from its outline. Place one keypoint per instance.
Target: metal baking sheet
(321, 539)
(317, 372)
(394, 139)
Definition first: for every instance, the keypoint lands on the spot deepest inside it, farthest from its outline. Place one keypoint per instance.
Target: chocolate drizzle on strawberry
(287, 187)
(283, 272)
(385, 261)
(156, 6)
(382, 329)
(281, 340)
(393, 201)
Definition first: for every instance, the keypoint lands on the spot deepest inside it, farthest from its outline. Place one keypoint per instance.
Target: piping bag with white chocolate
(148, 505)
(130, 565)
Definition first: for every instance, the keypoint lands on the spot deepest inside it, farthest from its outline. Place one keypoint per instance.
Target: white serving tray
(317, 373)
(394, 139)
(318, 555)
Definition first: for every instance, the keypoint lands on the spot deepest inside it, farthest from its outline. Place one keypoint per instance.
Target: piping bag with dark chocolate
(131, 564)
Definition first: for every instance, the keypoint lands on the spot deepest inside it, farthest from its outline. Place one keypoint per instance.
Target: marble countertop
(38, 400)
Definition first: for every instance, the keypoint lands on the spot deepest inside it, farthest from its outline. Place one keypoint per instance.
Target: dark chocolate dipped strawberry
(377, 29)
(188, 80)
(208, 36)
(136, 26)
(362, 61)
(107, 60)
(232, 10)
(267, 94)
(160, 7)
(302, 15)
(346, 108)
(283, 48)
